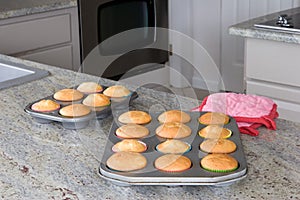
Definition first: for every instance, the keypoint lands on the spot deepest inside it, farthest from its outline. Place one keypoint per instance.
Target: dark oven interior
(101, 23)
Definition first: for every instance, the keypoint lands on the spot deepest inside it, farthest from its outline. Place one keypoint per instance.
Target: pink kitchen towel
(249, 111)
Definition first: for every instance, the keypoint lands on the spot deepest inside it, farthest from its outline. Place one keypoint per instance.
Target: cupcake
(75, 110)
(116, 91)
(213, 118)
(45, 106)
(172, 163)
(215, 131)
(132, 131)
(173, 146)
(96, 100)
(89, 87)
(174, 116)
(131, 145)
(134, 117)
(218, 162)
(68, 95)
(126, 161)
(218, 146)
(172, 130)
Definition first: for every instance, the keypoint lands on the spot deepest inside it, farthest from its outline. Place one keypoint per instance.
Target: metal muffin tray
(196, 175)
(79, 122)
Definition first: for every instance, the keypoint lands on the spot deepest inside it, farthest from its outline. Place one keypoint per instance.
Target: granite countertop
(46, 161)
(15, 8)
(246, 29)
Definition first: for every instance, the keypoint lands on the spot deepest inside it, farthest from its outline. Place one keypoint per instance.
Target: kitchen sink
(12, 74)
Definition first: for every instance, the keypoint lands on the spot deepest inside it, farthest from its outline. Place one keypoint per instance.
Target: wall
(207, 23)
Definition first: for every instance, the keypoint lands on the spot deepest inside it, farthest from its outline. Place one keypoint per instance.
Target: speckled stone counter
(15, 8)
(246, 29)
(46, 161)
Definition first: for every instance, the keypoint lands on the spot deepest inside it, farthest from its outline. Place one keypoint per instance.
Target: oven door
(102, 21)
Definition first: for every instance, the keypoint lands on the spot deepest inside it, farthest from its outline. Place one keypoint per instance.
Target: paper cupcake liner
(170, 171)
(228, 136)
(220, 171)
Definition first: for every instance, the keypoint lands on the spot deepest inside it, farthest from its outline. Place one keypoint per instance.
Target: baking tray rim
(168, 179)
(175, 183)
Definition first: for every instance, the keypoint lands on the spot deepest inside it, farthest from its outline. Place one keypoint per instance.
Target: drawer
(35, 34)
(281, 92)
(286, 98)
(272, 61)
(61, 57)
(288, 111)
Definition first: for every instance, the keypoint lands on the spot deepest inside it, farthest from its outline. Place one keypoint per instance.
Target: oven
(123, 32)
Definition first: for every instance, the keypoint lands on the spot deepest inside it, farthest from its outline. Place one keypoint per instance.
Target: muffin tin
(196, 175)
(79, 122)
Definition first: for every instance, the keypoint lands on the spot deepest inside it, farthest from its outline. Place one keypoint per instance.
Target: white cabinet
(272, 69)
(50, 37)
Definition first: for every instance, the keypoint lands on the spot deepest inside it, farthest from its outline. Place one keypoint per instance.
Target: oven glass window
(122, 15)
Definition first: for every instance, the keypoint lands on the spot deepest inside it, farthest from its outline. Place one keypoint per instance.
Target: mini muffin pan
(79, 122)
(196, 175)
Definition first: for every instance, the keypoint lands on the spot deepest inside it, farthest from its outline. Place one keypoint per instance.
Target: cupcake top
(75, 110)
(130, 145)
(174, 116)
(45, 106)
(215, 131)
(172, 130)
(89, 87)
(126, 161)
(134, 117)
(96, 100)
(213, 118)
(217, 162)
(68, 95)
(218, 146)
(172, 163)
(116, 91)
(131, 131)
(173, 146)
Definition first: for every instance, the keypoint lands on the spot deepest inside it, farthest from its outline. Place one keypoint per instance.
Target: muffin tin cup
(196, 175)
(77, 122)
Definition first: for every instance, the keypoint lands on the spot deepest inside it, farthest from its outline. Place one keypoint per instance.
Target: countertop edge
(247, 29)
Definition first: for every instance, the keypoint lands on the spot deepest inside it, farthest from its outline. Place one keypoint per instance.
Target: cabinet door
(273, 61)
(61, 57)
(38, 33)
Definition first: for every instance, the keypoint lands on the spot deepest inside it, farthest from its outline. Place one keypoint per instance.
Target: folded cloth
(249, 111)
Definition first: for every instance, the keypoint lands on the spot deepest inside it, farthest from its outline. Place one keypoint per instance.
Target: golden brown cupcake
(116, 91)
(68, 95)
(131, 145)
(213, 118)
(174, 116)
(172, 130)
(89, 87)
(126, 161)
(134, 117)
(132, 131)
(215, 131)
(172, 163)
(45, 106)
(217, 162)
(75, 110)
(96, 100)
(173, 146)
(218, 146)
